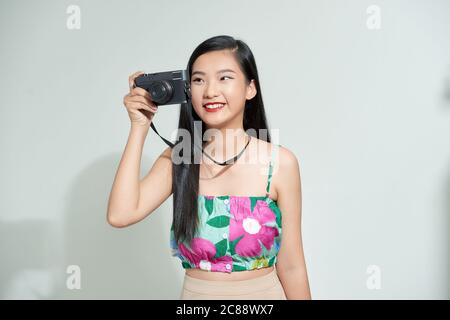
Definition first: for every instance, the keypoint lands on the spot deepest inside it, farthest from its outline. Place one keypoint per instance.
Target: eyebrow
(220, 71)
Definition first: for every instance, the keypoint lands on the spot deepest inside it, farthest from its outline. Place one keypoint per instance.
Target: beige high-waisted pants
(266, 287)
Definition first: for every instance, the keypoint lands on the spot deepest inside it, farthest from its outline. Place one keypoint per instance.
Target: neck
(225, 143)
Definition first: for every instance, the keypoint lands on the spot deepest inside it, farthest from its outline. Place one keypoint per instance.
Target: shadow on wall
(127, 263)
(28, 259)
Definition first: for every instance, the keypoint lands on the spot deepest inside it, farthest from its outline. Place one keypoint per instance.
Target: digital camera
(169, 87)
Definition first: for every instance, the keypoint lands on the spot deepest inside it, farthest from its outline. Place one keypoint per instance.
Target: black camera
(170, 87)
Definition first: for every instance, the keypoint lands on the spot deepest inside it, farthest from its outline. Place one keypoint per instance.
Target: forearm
(295, 284)
(124, 196)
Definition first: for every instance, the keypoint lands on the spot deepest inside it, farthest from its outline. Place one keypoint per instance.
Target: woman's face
(210, 83)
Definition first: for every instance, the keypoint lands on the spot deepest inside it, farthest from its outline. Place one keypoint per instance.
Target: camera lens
(161, 91)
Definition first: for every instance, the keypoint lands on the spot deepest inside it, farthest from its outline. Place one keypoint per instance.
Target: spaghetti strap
(271, 164)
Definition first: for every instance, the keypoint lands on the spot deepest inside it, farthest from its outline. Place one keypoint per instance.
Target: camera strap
(170, 144)
(187, 91)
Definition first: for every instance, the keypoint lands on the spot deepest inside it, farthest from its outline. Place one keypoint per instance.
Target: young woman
(237, 212)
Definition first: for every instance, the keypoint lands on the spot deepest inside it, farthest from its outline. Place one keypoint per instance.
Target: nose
(211, 90)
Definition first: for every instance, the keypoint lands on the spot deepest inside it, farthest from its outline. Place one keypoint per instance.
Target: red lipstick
(214, 109)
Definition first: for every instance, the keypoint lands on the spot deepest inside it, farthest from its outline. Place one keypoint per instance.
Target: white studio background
(360, 91)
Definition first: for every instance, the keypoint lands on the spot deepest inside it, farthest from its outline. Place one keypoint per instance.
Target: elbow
(116, 222)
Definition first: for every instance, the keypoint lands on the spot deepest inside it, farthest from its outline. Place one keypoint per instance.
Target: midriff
(224, 276)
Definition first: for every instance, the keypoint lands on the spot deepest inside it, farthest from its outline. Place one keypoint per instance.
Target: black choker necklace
(230, 161)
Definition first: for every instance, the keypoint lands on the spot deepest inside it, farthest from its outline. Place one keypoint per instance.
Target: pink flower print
(202, 253)
(251, 225)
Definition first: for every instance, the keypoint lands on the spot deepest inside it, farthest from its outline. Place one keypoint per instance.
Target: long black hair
(185, 181)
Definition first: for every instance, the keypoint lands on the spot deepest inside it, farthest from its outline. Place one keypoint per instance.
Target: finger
(142, 105)
(128, 99)
(142, 99)
(146, 107)
(131, 83)
(141, 92)
(132, 77)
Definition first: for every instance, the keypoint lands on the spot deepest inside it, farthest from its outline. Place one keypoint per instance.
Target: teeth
(214, 106)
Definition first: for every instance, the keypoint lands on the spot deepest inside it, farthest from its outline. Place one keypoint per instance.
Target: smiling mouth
(214, 107)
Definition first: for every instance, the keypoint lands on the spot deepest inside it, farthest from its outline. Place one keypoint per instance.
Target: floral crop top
(235, 233)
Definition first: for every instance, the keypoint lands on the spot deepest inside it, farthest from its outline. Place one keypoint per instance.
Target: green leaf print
(185, 264)
(237, 267)
(233, 245)
(271, 261)
(253, 201)
(209, 205)
(277, 212)
(221, 248)
(219, 221)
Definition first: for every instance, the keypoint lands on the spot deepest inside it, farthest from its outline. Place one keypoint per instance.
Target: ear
(251, 90)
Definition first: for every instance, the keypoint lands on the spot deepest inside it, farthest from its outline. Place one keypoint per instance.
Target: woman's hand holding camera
(139, 105)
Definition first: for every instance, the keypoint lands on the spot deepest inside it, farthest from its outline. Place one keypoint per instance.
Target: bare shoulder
(286, 165)
(166, 159)
(286, 158)
(167, 153)
(287, 179)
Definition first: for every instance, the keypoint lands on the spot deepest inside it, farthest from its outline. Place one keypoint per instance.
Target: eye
(198, 79)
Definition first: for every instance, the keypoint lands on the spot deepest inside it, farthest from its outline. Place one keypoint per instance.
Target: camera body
(165, 88)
